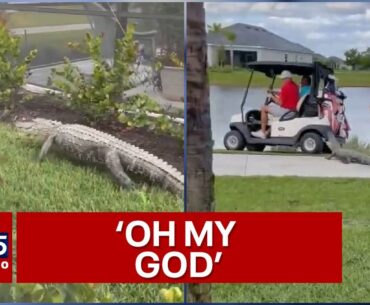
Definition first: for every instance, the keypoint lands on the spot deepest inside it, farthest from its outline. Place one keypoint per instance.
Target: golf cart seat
(300, 102)
(289, 115)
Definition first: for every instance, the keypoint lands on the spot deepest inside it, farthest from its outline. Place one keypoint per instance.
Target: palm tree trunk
(199, 139)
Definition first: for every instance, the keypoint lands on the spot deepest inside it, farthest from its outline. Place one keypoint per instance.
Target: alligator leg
(113, 163)
(46, 146)
(330, 157)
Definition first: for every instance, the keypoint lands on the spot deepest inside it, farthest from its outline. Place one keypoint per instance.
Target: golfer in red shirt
(286, 101)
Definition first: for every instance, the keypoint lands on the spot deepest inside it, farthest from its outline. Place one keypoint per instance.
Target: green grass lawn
(353, 78)
(240, 77)
(59, 185)
(31, 19)
(53, 47)
(57, 40)
(351, 196)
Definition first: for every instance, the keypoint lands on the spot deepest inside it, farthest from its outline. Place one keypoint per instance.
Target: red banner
(6, 247)
(179, 247)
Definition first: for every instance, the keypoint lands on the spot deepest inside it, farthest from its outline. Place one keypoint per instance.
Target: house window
(286, 57)
(241, 58)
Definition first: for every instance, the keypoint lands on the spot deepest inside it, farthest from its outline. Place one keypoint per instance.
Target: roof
(336, 59)
(271, 68)
(319, 57)
(251, 35)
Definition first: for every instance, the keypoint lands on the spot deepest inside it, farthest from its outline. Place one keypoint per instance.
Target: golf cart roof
(273, 68)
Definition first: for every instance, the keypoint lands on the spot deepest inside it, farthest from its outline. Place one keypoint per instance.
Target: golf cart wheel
(233, 140)
(312, 143)
(255, 147)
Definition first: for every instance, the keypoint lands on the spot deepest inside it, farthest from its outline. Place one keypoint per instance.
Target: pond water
(226, 101)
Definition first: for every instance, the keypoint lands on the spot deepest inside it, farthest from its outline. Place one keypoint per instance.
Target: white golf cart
(307, 126)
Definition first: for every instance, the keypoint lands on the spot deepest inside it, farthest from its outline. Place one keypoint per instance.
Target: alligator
(89, 145)
(345, 155)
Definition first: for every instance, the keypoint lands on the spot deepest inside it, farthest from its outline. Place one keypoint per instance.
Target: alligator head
(38, 126)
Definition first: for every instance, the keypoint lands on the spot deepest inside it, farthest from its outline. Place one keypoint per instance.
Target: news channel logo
(4, 242)
(4, 250)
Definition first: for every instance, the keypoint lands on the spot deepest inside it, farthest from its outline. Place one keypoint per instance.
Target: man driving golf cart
(280, 104)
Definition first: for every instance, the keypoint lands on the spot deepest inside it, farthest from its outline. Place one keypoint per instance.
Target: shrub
(168, 59)
(134, 114)
(13, 68)
(356, 144)
(171, 295)
(60, 293)
(97, 94)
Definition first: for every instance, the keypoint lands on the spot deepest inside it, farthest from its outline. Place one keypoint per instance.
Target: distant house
(254, 43)
(319, 57)
(337, 63)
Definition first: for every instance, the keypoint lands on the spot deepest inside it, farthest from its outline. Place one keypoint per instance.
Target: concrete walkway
(39, 76)
(161, 100)
(51, 29)
(278, 165)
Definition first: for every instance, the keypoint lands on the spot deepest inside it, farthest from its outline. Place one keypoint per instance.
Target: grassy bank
(53, 47)
(240, 77)
(351, 196)
(31, 19)
(59, 185)
(58, 40)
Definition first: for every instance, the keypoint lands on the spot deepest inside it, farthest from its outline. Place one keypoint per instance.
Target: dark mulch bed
(165, 147)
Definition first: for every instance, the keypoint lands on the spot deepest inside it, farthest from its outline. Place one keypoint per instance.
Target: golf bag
(333, 108)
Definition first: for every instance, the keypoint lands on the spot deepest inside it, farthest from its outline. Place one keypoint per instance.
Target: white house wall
(212, 52)
(262, 55)
(274, 55)
(212, 56)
